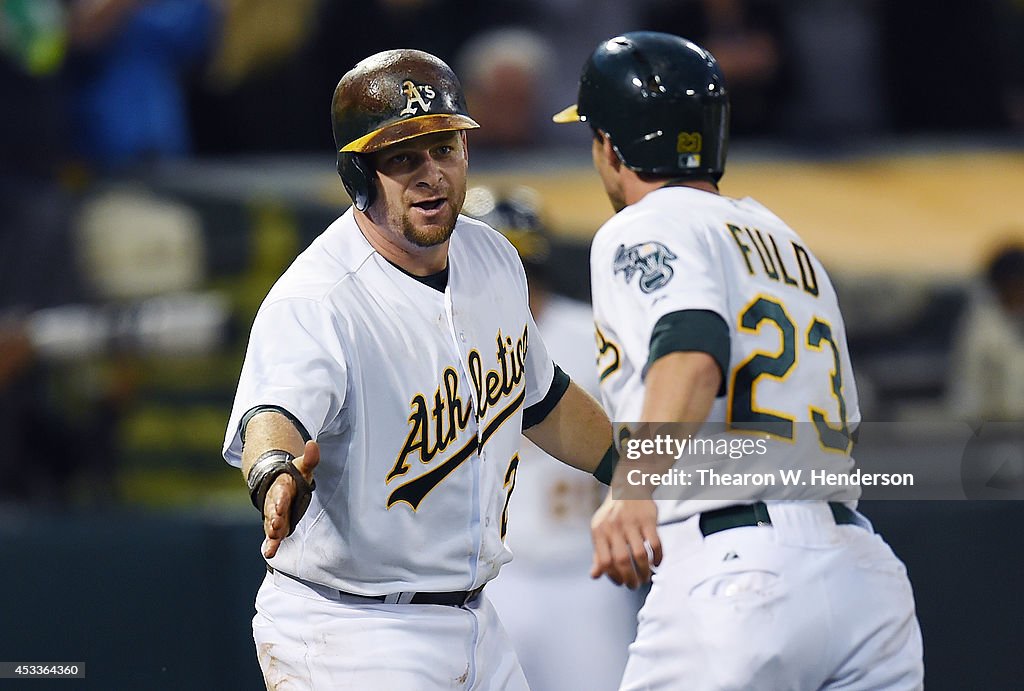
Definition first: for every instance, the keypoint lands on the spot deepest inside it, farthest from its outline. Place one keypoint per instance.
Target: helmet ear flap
(358, 177)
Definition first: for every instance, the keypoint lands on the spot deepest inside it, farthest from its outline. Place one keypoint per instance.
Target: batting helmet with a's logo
(388, 98)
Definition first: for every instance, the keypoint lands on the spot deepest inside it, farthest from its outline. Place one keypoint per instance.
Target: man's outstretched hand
(278, 504)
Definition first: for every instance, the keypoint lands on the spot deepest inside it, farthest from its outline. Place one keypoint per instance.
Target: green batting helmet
(386, 99)
(662, 101)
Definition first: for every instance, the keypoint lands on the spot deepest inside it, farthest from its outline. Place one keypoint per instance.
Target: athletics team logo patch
(414, 100)
(649, 259)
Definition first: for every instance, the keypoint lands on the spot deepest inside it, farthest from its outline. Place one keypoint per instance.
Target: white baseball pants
(801, 605)
(307, 640)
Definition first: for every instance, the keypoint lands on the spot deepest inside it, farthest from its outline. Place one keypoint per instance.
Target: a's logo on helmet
(650, 260)
(689, 143)
(414, 100)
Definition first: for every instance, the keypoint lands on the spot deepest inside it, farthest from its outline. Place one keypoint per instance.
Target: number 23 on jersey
(766, 312)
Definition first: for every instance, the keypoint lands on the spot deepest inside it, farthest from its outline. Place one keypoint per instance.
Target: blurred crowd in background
(122, 320)
(114, 83)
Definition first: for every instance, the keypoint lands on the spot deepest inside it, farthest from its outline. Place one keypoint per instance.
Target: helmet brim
(570, 114)
(408, 129)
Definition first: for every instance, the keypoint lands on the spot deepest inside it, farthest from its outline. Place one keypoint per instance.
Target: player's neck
(636, 187)
(418, 261)
(703, 185)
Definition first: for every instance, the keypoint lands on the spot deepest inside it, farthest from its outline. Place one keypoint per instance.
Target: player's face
(423, 186)
(600, 151)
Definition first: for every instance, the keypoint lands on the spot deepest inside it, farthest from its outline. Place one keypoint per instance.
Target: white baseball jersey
(416, 398)
(788, 369)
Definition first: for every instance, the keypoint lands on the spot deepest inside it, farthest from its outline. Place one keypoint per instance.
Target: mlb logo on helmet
(688, 146)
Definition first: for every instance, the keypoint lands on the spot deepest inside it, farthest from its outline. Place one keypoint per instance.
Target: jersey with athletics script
(788, 384)
(416, 398)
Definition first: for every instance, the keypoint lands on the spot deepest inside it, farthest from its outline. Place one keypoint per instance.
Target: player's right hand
(623, 530)
(277, 507)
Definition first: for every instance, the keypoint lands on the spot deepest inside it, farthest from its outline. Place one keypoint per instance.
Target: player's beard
(432, 235)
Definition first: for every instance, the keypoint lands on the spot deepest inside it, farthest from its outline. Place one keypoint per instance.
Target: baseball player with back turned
(714, 317)
(389, 375)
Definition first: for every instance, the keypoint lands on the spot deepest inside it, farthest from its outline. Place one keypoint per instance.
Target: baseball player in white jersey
(714, 316)
(389, 374)
(569, 632)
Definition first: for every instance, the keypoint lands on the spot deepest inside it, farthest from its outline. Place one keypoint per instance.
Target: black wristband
(606, 468)
(267, 468)
(270, 463)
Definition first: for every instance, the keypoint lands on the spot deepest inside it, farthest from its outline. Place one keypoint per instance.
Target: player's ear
(377, 209)
(465, 145)
(610, 156)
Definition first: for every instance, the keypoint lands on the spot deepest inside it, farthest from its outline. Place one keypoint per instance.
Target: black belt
(756, 514)
(457, 598)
